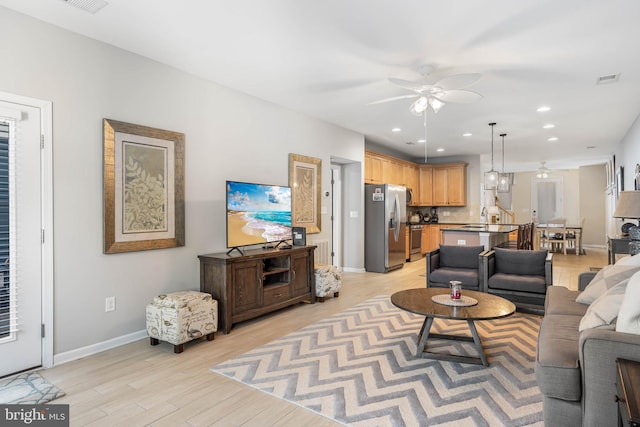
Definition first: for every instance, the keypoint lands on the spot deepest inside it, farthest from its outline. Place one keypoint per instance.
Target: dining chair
(557, 235)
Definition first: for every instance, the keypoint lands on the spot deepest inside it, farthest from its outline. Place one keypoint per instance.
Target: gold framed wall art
(305, 180)
(143, 188)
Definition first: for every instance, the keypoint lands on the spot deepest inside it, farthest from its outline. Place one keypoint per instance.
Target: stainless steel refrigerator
(385, 218)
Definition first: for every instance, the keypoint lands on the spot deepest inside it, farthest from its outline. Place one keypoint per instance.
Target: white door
(20, 242)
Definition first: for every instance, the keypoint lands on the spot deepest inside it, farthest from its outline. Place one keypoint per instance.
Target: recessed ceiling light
(553, 138)
(466, 134)
(549, 126)
(590, 147)
(543, 109)
(396, 130)
(440, 150)
(422, 141)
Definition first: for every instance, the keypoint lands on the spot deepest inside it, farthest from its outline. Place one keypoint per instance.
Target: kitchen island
(488, 235)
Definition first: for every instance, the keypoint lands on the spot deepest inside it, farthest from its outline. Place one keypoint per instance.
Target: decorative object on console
(143, 188)
(299, 235)
(504, 181)
(305, 180)
(491, 177)
(628, 207)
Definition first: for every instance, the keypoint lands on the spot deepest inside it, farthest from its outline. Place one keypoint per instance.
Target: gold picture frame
(143, 188)
(305, 180)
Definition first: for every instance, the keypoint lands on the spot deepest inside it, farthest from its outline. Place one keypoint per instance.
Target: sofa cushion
(557, 367)
(561, 300)
(604, 310)
(629, 315)
(467, 276)
(523, 262)
(513, 282)
(609, 276)
(460, 256)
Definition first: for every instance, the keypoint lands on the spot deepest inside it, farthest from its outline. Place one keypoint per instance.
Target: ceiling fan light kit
(543, 172)
(491, 177)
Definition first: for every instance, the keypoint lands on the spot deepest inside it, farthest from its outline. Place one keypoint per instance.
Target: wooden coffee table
(419, 301)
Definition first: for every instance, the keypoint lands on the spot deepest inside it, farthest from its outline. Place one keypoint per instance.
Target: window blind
(7, 292)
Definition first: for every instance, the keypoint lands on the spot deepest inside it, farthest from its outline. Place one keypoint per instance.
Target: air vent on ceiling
(91, 6)
(610, 78)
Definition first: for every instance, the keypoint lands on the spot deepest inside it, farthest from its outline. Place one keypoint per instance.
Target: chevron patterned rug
(358, 367)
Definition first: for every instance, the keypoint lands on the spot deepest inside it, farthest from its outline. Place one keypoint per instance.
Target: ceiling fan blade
(395, 98)
(417, 86)
(457, 81)
(460, 96)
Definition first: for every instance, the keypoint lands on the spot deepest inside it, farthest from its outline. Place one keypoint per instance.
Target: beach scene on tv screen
(257, 213)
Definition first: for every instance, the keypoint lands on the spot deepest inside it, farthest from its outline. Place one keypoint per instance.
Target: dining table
(574, 235)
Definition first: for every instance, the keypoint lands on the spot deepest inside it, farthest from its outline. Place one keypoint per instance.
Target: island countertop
(482, 228)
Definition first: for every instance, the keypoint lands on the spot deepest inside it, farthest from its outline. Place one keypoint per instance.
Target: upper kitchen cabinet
(372, 168)
(425, 195)
(450, 184)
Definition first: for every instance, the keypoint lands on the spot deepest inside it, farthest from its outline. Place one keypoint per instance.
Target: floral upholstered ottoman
(180, 317)
(328, 281)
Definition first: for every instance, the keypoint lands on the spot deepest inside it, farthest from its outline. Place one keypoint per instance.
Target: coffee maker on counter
(434, 215)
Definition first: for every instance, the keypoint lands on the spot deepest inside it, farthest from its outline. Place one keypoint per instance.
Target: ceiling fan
(447, 89)
(436, 95)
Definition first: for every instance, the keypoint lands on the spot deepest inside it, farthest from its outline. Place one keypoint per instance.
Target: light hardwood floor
(137, 384)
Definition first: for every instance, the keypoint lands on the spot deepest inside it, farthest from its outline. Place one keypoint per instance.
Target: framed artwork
(143, 188)
(305, 180)
(636, 178)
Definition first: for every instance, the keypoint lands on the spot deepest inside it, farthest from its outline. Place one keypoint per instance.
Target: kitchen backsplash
(465, 214)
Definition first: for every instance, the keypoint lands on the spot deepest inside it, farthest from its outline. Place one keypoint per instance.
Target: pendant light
(504, 180)
(543, 171)
(491, 177)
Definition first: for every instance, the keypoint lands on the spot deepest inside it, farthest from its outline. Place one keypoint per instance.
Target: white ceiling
(331, 58)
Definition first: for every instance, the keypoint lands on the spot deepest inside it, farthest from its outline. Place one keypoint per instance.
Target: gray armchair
(450, 262)
(521, 276)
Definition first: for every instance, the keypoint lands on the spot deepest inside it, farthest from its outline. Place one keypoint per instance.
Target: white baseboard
(68, 356)
(353, 270)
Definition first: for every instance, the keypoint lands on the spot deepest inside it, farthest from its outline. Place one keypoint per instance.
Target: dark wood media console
(257, 282)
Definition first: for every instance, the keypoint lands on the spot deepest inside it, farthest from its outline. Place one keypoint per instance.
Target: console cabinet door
(247, 286)
(300, 274)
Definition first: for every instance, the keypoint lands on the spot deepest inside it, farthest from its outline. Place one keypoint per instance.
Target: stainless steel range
(415, 242)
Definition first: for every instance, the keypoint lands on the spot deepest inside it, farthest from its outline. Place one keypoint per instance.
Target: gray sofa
(576, 372)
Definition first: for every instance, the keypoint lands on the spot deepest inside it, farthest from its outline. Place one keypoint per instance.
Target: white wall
(229, 135)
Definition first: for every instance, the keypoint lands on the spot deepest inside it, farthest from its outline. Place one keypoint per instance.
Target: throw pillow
(604, 310)
(629, 260)
(629, 316)
(606, 278)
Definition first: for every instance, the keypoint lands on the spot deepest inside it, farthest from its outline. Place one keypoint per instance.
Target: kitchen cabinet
(432, 185)
(425, 195)
(449, 184)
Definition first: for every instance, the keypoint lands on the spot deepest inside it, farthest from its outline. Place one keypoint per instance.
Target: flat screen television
(257, 214)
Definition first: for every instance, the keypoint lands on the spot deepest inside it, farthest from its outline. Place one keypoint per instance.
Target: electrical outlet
(110, 304)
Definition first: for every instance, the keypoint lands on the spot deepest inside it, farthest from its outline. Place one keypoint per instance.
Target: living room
(229, 135)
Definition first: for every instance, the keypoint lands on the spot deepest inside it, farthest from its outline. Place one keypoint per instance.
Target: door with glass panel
(20, 238)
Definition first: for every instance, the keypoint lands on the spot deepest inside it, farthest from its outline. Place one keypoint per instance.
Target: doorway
(25, 234)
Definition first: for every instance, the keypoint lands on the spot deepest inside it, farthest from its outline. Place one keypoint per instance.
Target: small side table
(628, 392)
(617, 245)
